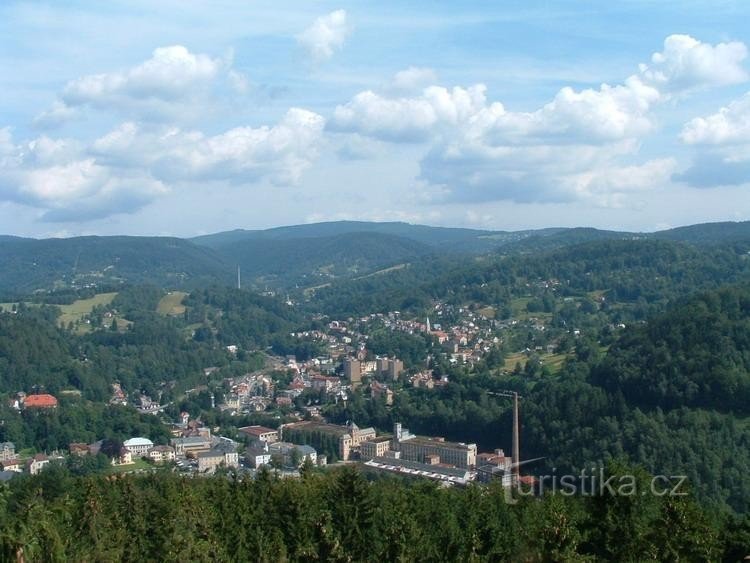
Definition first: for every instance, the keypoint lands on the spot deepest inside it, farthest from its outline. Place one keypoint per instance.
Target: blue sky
(185, 118)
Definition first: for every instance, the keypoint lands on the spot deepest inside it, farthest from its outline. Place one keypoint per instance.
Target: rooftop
(43, 400)
(139, 441)
(437, 442)
(211, 453)
(256, 430)
(191, 440)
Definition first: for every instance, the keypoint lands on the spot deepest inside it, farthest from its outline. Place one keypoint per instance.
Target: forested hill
(671, 395)
(649, 272)
(432, 236)
(696, 355)
(708, 233)
(312, 261)
(27, 265)
(303, 255)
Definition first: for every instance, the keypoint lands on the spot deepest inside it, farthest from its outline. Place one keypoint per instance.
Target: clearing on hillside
(82, 307)
(171, 303)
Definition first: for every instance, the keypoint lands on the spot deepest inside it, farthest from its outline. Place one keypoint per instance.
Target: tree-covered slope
(695, 355)
(432, 236)
(27, 265)
(708, 233)
(311, 261)
(635, 270)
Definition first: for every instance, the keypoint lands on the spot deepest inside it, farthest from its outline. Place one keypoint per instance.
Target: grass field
(82, 307)
(171, 303)
(137, 465)
(487, 312)
(552, 361)
(518, 308)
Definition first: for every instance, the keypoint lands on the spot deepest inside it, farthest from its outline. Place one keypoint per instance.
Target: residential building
(380, 391)
(423, 379)
(260, 433)
(258, 454)
(209, 461)
(11, 465)
(125, 457)
(191, 445)
(35, 464)
(390, 367)
(324, 383)
(40, 401)
(284, 401)
(161, 454)
(7, 451)
(353, 371)
(287, 452)
(139, 447)
(79, 449)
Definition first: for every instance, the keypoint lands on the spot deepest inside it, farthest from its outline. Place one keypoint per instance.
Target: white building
(161, 454)
(138, 446)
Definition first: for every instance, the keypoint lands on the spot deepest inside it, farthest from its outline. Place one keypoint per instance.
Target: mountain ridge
(288, 256)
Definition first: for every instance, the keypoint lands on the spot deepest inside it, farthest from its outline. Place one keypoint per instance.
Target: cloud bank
(171, 85)
(581, 145)
(132, 165)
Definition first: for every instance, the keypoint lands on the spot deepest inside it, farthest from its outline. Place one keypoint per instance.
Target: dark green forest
(342, 516)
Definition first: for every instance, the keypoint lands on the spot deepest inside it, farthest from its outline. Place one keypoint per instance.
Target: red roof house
(40, 401)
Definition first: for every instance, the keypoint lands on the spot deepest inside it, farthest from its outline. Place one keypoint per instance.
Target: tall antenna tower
(239, 278)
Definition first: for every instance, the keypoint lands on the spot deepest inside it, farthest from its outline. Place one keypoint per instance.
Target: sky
(184, 118)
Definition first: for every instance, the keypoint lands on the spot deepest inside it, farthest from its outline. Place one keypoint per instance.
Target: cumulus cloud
(607, 113)
(170, 84)
(57, 176)
(686, 64)
(580, 145)
(325, 36)
(132, 165)
(730, 125)
(722, 142)
(241, 155)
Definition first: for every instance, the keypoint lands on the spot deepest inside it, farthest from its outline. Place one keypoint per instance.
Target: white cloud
(579, 146)
(722, 143)
(241, 155)
(410, 119)
(58, 177)
(730, 125)
(57, 115)
(686, 64)
(132, 165)
(244, 154)
(479, 151)
(325, 36)
(412, 79)
(609, 113)
(171, 73)
(170, 84)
